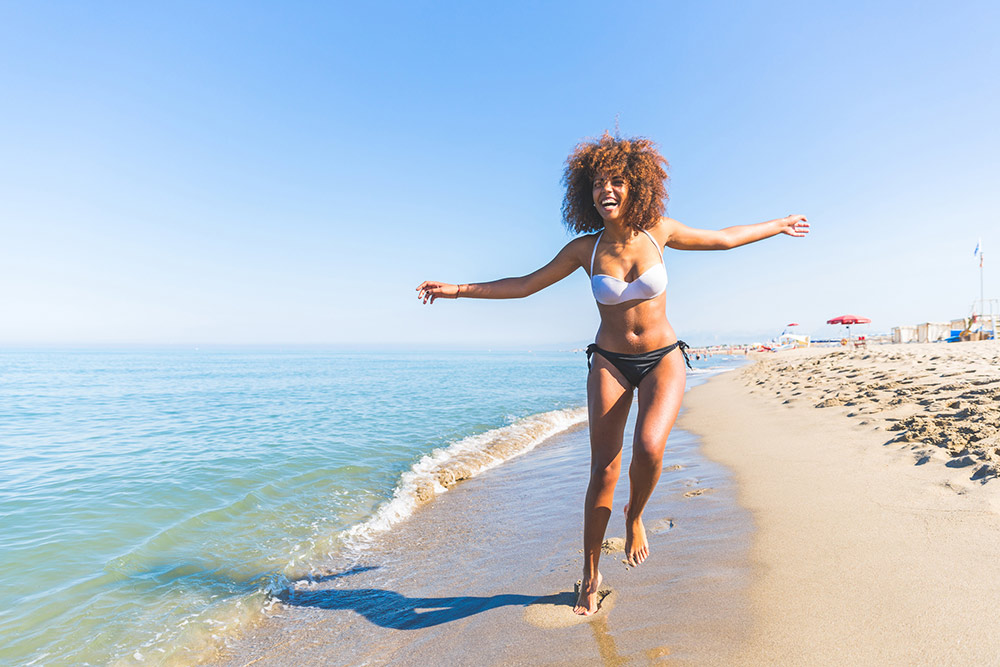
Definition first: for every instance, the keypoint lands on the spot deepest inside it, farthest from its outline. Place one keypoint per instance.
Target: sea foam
(438, 471)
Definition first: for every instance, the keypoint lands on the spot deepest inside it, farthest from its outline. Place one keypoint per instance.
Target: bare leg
(609, 398)
(660, 395)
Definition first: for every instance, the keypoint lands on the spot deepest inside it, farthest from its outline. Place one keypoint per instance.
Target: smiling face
(610, 193)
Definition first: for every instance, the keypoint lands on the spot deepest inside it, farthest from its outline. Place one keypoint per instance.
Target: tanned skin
(632, 327)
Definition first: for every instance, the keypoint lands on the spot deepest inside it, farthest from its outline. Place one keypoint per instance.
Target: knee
(606, 474)
(647, 454)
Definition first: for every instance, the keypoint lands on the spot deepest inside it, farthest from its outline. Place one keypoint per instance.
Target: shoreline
(874, 527)
(485, 574)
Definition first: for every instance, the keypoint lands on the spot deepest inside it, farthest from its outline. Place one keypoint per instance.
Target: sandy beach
(850, 518)
(868, 473)
(485, 573)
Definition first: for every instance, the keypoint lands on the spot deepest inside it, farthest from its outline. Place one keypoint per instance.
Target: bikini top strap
(593, 254)
(658, 248)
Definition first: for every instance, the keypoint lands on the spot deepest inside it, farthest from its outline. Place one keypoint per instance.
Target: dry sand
(870, 475)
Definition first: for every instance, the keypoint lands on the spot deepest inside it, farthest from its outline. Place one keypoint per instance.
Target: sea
(154, 503)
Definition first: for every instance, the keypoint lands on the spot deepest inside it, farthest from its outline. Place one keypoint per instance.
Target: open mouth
(609, 202)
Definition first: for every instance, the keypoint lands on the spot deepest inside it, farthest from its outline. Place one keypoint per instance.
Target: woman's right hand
(431, 289)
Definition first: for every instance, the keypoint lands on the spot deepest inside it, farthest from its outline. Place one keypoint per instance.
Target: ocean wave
(438, 471)
(710, 370)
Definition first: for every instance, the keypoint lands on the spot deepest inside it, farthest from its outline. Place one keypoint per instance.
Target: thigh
(660, 396)
(609, 398)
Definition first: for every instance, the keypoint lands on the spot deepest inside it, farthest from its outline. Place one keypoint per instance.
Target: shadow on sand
(390, 609)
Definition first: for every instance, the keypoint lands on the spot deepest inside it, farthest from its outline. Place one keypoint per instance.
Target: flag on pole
(979, 248)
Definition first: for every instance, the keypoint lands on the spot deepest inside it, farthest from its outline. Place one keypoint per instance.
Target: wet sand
(485, 574)
(851, 518)
(870, 475)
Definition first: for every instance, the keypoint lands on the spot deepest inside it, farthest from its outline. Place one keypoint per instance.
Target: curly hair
(637, 160)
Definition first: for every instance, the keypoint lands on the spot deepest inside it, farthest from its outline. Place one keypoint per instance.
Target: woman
(615, 194)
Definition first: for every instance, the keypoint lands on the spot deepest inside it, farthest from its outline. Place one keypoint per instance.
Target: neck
(616, 232)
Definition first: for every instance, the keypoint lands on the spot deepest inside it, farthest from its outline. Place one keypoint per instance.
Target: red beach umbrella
(792, 324)
(848, 320)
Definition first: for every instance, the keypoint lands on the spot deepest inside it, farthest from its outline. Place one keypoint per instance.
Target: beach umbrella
(848, 320)
(789, 326)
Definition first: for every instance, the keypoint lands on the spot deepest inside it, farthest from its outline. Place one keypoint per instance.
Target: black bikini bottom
(635, 366)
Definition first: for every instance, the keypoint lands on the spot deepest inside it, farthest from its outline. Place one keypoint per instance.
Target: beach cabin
(904, 334)
(957, 327)
(931, 332)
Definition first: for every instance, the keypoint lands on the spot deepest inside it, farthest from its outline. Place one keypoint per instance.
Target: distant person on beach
(615, 199)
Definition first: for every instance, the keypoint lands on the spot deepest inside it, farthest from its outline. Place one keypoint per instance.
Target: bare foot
(586, 604)
(636, 546)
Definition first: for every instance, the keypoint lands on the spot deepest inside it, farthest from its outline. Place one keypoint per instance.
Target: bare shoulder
(579, 248)
(663, 230)
(584, 243)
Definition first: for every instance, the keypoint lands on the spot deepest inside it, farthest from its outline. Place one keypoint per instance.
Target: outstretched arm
(565, 263)
(682, 237)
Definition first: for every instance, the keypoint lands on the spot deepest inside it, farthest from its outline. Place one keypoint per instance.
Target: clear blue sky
(245, 173)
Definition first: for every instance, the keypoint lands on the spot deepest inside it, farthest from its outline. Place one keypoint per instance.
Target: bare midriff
(635, 327)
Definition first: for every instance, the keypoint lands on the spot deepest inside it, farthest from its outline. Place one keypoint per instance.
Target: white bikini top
(611, 291)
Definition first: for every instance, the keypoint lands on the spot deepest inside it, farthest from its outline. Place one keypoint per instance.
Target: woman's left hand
(794, 225)
(432, 289)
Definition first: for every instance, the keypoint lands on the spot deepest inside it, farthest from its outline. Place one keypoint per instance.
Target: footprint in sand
(676, 466)
(698, 492)
(661, 526)
(556, 610)
(612, 545)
